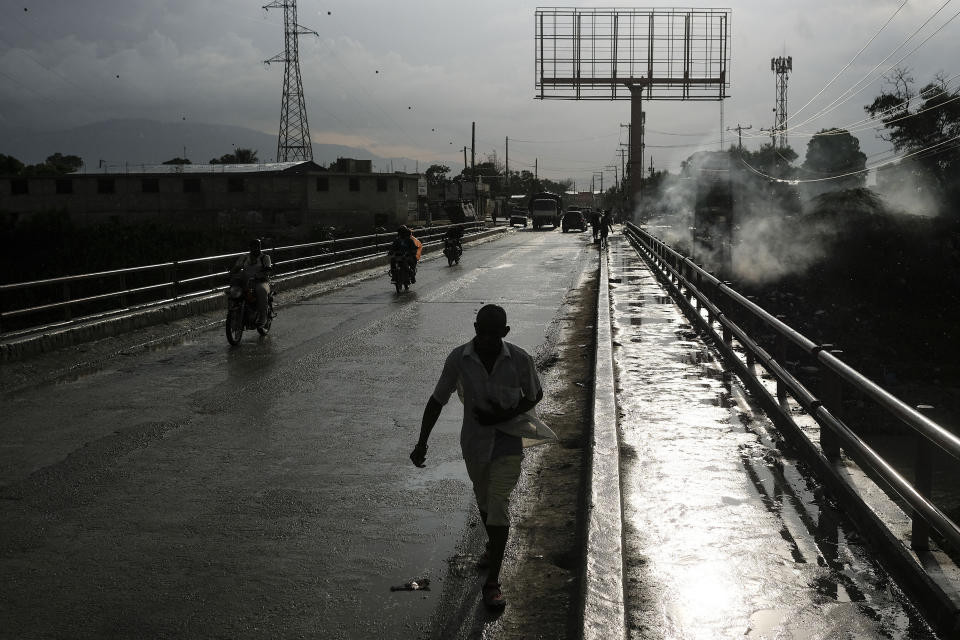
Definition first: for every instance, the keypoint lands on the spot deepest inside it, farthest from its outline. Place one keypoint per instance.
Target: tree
(178, 160)
(436, 174)
(925, 122)
(10, 165)
(55, 165)
(833, 152)
(769, 159)
(239, 156)
(64, 164)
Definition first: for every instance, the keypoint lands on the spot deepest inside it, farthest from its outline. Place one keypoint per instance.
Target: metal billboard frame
(610, 53)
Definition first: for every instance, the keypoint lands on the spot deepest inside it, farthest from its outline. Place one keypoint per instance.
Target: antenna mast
(294, 140)
(781, 67)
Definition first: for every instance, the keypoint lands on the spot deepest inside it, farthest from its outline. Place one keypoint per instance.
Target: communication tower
(781, 67)
(294, 140)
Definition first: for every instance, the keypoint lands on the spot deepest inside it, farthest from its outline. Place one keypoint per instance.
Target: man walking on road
(497, 383)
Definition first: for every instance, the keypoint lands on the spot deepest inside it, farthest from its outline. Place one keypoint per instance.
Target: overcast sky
(408, 78)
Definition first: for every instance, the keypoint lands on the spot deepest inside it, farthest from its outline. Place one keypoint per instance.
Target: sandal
(493, 597)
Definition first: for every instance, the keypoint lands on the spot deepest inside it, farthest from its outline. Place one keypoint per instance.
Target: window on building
(235, 185)
(64, 185)
(400, 183)
(19, 187)
(106, 185)
(150, 185)
(354, 184)
(381, 184)
(191, 185)
(323, 183)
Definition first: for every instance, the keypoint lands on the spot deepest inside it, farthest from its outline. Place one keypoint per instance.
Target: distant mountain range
(133, 141)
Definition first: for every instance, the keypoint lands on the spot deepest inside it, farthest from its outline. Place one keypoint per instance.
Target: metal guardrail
(691, 281)
(57, 302)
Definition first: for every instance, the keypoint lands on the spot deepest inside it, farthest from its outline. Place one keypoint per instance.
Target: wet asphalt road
(198, 490)
(724, 535)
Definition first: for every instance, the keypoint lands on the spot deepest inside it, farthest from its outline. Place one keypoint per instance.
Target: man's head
(403, 231)
(255, 247)
(491, 327)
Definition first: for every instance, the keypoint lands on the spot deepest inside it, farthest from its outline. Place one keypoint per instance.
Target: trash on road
(423, 584)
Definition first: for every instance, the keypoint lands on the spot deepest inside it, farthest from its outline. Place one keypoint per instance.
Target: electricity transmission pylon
(294, 140)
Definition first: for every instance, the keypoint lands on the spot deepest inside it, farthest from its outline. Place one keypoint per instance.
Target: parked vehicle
(574, 219)
(242, 310)
(452, 250)
(545, 208)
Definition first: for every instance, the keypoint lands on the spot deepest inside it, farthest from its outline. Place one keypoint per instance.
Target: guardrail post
(781, 357)
(831, 394)
(923, 482)
(124, 303)
(67, 312)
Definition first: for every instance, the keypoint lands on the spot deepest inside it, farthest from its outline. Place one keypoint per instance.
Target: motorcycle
(401, 275)
(242, 310)
(452, 250)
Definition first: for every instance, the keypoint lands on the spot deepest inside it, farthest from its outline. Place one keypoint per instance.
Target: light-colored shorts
(492, 483)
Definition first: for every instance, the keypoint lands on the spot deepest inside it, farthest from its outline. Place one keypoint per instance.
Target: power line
(841, 99)
(847, 66)
(852, 173)
(566, 141)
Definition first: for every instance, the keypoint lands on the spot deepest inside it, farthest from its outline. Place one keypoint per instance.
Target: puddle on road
(724, 535)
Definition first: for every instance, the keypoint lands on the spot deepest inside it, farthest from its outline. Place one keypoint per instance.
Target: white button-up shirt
(514, 376)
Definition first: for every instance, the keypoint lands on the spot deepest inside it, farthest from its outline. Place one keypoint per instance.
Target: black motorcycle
(242, 310)
(401, 275)
(452, 250)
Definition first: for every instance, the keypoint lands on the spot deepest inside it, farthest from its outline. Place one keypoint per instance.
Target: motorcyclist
(404, 247)
(257, 266)
(453, 237)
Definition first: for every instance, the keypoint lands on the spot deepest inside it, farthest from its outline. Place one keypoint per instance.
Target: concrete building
(289, 200)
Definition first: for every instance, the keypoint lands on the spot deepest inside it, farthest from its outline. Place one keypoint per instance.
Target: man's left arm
(496, 416)
(532, 395)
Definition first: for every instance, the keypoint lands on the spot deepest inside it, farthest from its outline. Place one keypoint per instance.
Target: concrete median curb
(99, 328)
(603, 594)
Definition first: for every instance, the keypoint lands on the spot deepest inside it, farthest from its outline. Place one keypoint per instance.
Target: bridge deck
(725, 536)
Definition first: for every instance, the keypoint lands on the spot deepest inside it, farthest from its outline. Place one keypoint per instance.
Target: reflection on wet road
(725, 537)
(262, 491)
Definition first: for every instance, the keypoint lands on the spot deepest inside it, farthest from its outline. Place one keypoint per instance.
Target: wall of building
(284, 203)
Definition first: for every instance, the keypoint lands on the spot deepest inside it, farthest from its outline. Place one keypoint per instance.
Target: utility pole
(536, 174)
(628, 170)
(507, 162)
(473, 147)
(740, 131)
(293, 143)
(616, 179)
